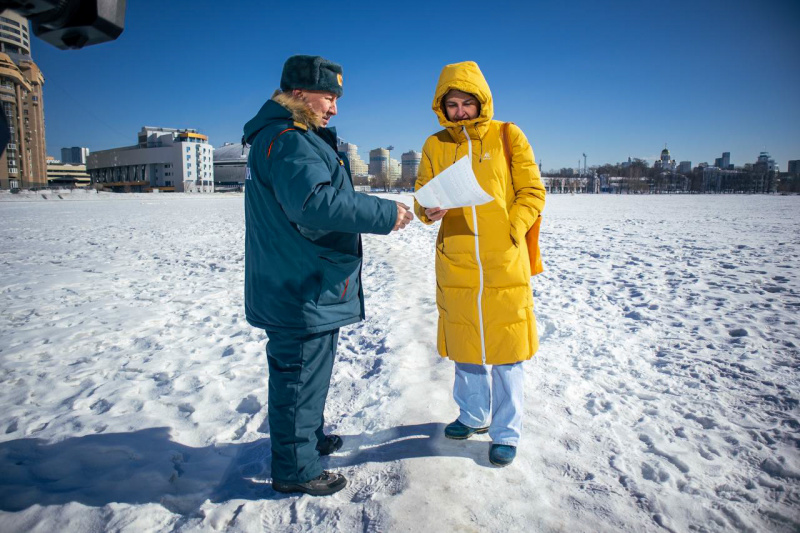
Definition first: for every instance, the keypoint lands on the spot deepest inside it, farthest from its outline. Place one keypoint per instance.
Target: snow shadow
(146, 466)
(406, 442)
(248, 474)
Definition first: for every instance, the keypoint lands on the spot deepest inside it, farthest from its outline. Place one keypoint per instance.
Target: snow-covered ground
(664, 395)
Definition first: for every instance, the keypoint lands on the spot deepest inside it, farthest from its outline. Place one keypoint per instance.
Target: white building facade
(165, 159)
(395, 170)
(357, 165)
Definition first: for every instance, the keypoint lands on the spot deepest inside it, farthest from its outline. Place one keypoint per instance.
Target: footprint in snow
(100, 406)
(365, 487)
(653, 473)
(249, 405)
(186, 409)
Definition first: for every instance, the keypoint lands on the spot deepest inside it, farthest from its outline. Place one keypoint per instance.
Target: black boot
(323, 485)
(329, 444)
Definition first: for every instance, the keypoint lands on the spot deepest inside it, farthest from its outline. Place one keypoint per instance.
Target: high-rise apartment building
(394, 170)
(357, 165)
(165, 159)
(385, 169)
(74, 156)
(410, 166)
(794, 167)
(685, 167)
(378, 161)
(14, 36)
(23, 163)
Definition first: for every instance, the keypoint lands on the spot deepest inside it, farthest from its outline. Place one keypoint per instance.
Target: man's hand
(435, 213)
(404, 216)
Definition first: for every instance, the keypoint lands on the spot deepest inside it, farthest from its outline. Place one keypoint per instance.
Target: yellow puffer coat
(483, 289)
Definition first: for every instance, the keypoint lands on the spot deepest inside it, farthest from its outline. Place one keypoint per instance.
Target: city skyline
(702, 77)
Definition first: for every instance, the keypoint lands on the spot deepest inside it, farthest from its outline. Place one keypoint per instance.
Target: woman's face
(460, 106)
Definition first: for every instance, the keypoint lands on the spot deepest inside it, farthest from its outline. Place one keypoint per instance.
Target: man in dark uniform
(303, 260)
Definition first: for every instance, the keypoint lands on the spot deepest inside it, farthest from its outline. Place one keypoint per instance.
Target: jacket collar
(300, 112)
(284, 108)
(476, 128)
(304, 118)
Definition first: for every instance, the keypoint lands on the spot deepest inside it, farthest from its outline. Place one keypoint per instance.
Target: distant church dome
(664, 152)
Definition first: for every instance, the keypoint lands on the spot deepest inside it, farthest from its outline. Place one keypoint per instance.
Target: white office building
(395, 170)
(164, 159)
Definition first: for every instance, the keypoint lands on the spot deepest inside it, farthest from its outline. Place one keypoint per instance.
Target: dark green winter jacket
(303, 220)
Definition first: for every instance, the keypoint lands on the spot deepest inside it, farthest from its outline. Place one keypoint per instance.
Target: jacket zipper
(478, 258)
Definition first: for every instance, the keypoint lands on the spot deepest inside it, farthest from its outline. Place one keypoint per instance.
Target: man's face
(460, 105)
(322, 103)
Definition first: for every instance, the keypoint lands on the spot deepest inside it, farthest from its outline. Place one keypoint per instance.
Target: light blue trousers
(503, 397)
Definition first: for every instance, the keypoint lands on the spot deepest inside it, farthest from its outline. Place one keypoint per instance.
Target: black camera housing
(72, 24)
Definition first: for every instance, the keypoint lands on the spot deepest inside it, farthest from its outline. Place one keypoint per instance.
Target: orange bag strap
(507, 144)
(532, 237)
(269, 150)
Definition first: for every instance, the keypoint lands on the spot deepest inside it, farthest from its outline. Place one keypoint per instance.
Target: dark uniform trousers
(300, 366)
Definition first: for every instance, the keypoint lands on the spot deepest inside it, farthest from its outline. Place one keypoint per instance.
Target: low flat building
(165, 159)
(66, 175)
(230, 167)
(716, 179)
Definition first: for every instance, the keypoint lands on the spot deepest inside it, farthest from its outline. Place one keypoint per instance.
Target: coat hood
(466, 77)
(281, 107)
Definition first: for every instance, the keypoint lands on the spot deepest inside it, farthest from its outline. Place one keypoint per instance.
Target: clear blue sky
(702, 76)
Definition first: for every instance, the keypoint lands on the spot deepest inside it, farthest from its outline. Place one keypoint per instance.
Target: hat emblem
(339, 79)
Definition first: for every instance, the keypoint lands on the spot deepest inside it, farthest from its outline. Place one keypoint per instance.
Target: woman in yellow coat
(483, 289)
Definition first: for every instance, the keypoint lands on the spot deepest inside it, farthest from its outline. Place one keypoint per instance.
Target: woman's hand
(435, 213)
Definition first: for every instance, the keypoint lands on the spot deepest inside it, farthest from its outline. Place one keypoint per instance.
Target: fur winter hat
(314, 73)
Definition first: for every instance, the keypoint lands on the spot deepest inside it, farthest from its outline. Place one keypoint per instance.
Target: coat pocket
(340, 278)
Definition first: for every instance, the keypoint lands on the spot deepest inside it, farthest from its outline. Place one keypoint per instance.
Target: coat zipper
(478, 258)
